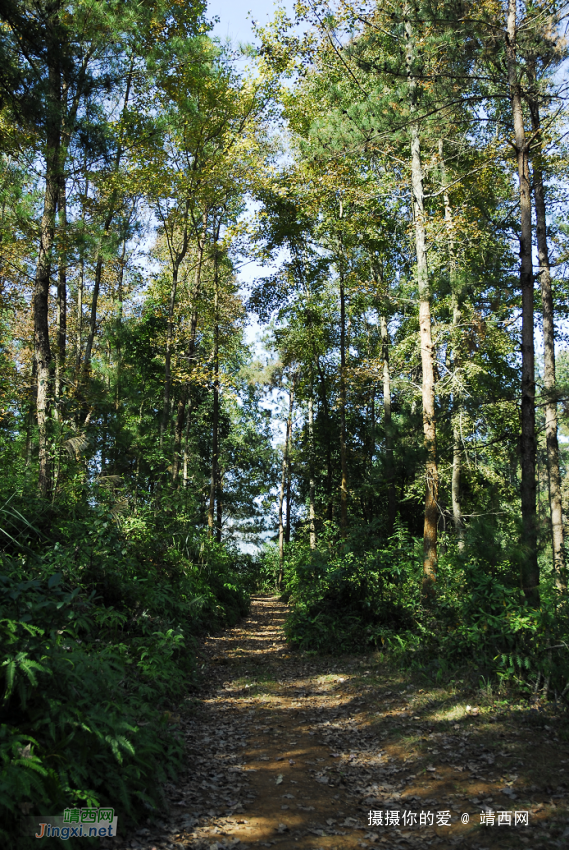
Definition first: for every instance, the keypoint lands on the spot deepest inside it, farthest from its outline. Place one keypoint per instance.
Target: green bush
(344, 599)
(347, 600)
(98, 628)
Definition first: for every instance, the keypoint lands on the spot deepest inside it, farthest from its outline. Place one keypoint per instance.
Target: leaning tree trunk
(426, 343)
(552, 444)
(529, 564)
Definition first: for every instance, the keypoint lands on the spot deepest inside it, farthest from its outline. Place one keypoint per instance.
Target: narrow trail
(292, 751)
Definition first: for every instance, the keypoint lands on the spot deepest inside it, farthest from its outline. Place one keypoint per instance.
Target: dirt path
(292, 751)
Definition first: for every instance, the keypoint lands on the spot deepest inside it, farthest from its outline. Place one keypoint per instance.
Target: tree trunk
(283, 485)
(289, 469)
(552, 444)
(215, 424)
(120, 300)
(312, 485)
(219, 507)
(343, 450)
(529, 564)
(80, 293)
(458, 520)
(42, 350)
(427, 354)
(61, 296)
(329, 471)
(387, 426)
(288, 478)
(186, 443)
(281, 523)
(168, 353)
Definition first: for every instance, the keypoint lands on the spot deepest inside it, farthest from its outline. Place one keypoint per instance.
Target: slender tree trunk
(168, 353)
(427, 354)
(281, 512)
(42, 349)
(343, 450)
(388, 427)
(288, 473)
(30, 416)
(215, 436)
(283, 484)
(457, 517)
(219, 507)
(529, 563)
(120, 301)
(187, 443)
(178, 431)
(61, 297)
(312, 484)
(329, 471)
(215, 424)
(552, 444)
(61, 321)
(80, 293)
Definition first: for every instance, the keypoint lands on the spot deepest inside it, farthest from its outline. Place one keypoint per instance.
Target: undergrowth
(347, 598)
(98, 628)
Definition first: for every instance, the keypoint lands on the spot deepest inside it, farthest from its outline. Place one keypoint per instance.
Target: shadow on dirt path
(292, 751)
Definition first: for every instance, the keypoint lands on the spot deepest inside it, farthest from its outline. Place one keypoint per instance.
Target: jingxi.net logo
(75, 823)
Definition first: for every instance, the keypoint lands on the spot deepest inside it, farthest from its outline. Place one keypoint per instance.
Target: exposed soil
(291, 751)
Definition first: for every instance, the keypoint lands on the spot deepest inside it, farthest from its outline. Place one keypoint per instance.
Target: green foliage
(345, 600)
(98, 626)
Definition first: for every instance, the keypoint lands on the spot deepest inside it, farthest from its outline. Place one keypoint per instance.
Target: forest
(371, 425)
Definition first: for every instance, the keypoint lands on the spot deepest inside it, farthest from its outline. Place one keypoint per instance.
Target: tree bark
(552, 445)
(529, 564)
(427, 354)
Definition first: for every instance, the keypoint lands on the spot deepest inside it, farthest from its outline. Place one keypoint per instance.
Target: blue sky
(234, 22)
